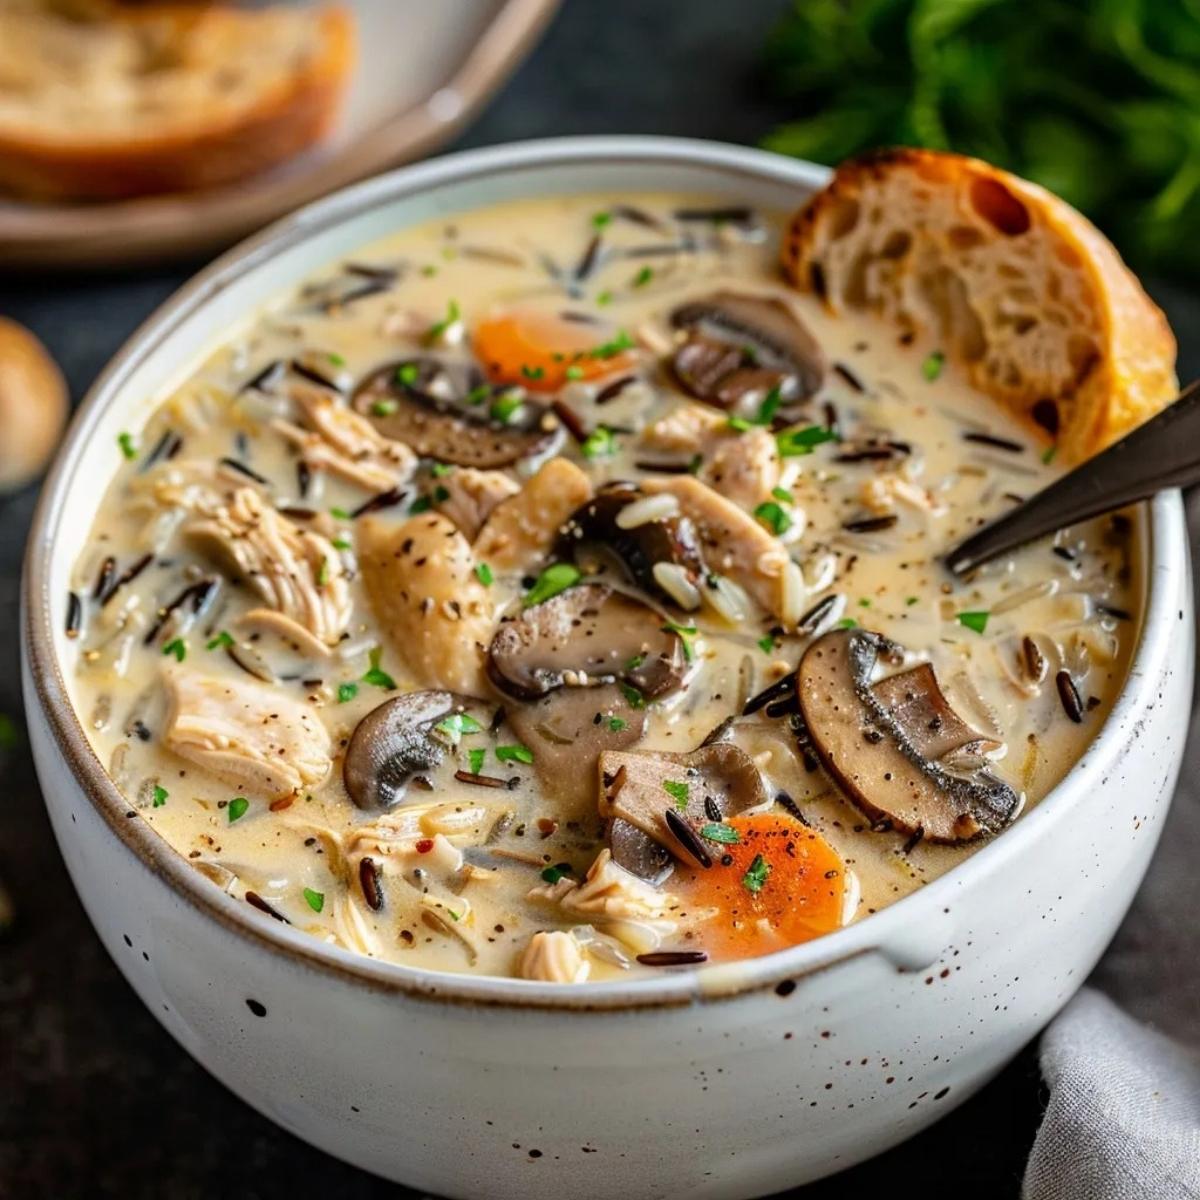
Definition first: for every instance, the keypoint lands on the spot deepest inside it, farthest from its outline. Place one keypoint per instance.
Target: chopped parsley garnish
(477, 395)
(724, 834)
(552, 874)
(770, 406)
(635, 662)
(574, 372)
(429, 270)
(755, 878)
(517, 753)
(616, 724)
(782, 494)
(346, 692)
(1048, 454)
(793, 443)
(453, 314)
(407, 373)
(177, 647)
(323, 573)
(376, 675)
(678, 791)
(160, 795)
(613, 347)
(237, 808)
(419, 505)
(847, 623)
(643, 277)
(533, 372)
(695, 463)
(316, 900)
(864, 602)
(741, 424)
(633, 697)
(506, 405)
(476, 759)
(340, 514)
(340, 543)
(773, 517)
(766, 643)
(974, 620)
(931, 368)
(455, 725)
(439, 470)
(601, 219)
(685, 634)
(127, 444)
(603, 298)
(554, 579)
(336, 359)
(384, 408)
(440, 494)
(484, 574)
(909, 601)
(222, 641)
(600, 443)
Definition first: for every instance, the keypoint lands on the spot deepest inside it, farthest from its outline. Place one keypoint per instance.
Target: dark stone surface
(95, 1099)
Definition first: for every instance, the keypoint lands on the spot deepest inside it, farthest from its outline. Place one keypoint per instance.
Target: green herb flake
(376, 675)
(552, 874)
(773, 517)
(766, 643)
(909, 601)
(484, 574)
(419, 505)
(931, 368)
(603, 299)
(340, 514)
(340, 543)
(1048, 454)
(429, 271)
(714, 832)
(222, 641)
(477, 395)
(176, 647)
(516, 753)
(755, 879)
(439, 470)
(616, 724)
(601, 219)
(574, 372)
(782, 494)
(533, 372)
(678, 791)
(864, 602)
(160, 795)
(237, 808)
(685, 633)
(346, 692)
(506, 406)
(643, 277)
(323, 573)
(336, 359)
(633, 697)
(770, 406)
(316, 900)
(453, 314)
(476, 758)
(614, 346)
(600, 443)
(455, 725)
(440, 494)
(847, 623)
(740, 424)
(384, 408)
(793, 443)
(973, 620)
(695, 463)
(554, 579)
(128, 445)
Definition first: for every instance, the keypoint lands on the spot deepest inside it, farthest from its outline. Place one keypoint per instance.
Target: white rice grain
(673, 580)
(649, 508)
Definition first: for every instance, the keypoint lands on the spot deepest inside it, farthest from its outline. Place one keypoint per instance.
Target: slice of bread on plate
(116, 101)
(1010, 281)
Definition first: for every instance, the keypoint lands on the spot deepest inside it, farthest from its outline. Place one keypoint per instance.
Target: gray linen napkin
(1122, 1064)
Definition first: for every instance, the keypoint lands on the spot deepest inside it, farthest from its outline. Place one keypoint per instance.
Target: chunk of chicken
(610, 892)
(521, 529)
(338, 440)
(296, 572)
(734, 543)
(264, 743)
(421, 584)
(742, 466)
(471, 495)
(554, 957)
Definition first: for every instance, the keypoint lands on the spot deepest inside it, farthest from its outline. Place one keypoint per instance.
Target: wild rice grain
(1068, 693)
(368, 879)
(689, 838)
(672, 958)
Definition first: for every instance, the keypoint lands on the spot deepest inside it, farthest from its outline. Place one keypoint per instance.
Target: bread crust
(1102, 359)
(211, 150)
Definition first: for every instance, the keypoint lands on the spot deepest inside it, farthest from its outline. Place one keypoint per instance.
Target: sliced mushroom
(396, 741)
(639, 853)
(584, 637)
(877, 742)
(716, 781)
(741, 348)
(446, 411)
(594, 535)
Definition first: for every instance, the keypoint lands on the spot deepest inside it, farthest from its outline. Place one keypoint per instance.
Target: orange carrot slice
(542, 352)
(780, 884)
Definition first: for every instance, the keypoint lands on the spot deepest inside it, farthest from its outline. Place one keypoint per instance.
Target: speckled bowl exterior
(723, 1082)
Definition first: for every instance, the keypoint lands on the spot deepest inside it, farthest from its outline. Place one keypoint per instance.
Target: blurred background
(1097, 99)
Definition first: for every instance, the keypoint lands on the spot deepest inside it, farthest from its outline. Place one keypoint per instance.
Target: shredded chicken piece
(341, 441)
(609, 891)
(880, 494)
(297, 572)
(554, 957)
(420, 581)
(263, 742)
(742, 466)
(521, 529)
(471, 495)
(734, 543)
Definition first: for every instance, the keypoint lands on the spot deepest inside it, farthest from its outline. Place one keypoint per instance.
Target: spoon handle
(1162, 453)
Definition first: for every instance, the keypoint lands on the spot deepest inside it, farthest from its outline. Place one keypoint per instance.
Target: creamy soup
(549, 591)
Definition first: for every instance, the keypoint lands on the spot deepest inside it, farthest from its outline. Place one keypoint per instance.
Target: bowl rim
(1165, 555)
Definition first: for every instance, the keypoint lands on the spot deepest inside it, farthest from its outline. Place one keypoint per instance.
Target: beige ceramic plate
(423, 69)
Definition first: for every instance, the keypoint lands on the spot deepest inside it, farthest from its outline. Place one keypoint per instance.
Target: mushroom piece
(396, 741)
(583, 637)
(885, 745)
(445, 411)
(741, 348)
(594, 534)
(639, 853)
(702, 787)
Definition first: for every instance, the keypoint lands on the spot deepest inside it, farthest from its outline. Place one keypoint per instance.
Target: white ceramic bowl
(721, 1082)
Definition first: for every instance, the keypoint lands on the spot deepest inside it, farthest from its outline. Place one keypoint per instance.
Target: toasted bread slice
(162, 97)
(1014, 284)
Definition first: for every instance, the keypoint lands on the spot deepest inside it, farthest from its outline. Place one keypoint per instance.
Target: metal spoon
(1162, 453)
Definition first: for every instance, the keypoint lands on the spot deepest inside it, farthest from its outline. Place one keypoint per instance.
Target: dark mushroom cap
(583, 637)
(396, 741)
(884, 744)
(426, 404)
(592, 532)
(740, 345)
(639, 853)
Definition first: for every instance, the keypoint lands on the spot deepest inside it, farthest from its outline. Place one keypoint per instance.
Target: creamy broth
(265, 573)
